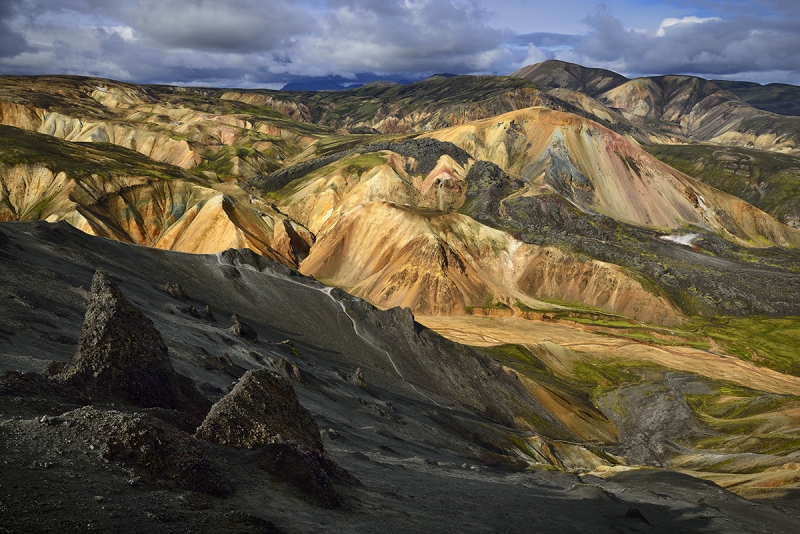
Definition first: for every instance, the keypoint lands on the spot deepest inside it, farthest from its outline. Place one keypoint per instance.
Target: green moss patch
(21, 147)
(766, 341)
(767, 180)
(740, 415)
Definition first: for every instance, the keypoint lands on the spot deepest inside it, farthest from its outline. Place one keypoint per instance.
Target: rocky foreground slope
(432, 435)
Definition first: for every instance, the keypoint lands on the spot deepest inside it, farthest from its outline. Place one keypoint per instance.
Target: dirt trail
(486, 331)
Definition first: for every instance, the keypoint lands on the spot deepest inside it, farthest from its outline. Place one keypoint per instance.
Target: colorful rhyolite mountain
(418, 225)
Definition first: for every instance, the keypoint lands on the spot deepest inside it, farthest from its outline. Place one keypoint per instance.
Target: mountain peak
(554, 73)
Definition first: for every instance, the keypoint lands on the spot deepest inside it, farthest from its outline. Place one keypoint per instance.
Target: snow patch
(681, 239)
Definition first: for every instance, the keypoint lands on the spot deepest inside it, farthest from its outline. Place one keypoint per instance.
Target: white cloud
(125, 32)
(669, 22)
(269, 42)
(710, 47)
(535, 55)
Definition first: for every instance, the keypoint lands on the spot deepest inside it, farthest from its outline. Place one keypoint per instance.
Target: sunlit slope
(603, 172)
(685, 106)
(199, 130)
(766, 180)
(388, 229)
(112, 192)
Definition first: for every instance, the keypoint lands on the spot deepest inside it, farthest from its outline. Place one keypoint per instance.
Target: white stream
(327, 291)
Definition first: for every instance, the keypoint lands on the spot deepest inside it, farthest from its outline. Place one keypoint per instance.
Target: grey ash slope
(429, 407)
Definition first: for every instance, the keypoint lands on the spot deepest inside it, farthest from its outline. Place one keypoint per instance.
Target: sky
(267, 43)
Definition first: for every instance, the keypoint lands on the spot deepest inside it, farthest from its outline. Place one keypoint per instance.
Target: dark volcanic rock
(245, 256)
(306, 470)
(191, 310)
(242, 329)
(634, 513)
(152, 449)
(54, 368)
(121, 356)
(286, 369)
(357, 378)
(425, 151)
(34, 385)
(225, 364)
(488, 185)
(262, 413)
(262, 408)
(176, 291)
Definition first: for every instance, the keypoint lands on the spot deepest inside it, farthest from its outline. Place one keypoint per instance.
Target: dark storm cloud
(264, 41)
(396, 36)
(12, 42)
(710, 46)
(269, 42)
(211, 25)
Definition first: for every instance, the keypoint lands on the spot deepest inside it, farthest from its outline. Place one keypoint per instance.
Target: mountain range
(620, 254)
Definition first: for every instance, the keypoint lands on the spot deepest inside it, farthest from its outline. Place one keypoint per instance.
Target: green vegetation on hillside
(778, 98)
(458, 89)
(744, 417)
(766, 341)
(767, 180)
(21, 147)
(335, 109)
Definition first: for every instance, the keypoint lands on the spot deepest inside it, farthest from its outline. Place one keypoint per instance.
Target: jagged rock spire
(122, 356)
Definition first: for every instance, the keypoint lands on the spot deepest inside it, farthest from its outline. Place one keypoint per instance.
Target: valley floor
(487, 331)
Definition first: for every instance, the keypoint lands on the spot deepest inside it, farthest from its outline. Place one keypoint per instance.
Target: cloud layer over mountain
(252, 43)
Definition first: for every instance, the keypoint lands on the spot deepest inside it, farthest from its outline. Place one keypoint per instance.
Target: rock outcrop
(121, 356)
(151, 449)
(176, 291)
(262, 408)
(357, 378)
(262, 413)
(242, 329)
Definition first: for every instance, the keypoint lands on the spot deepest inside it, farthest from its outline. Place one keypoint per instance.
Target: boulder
(176, 291)
(357, 379)
(286, 369)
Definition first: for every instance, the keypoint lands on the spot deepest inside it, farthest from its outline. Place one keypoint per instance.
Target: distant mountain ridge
(560, 74)
(323, 85)
(780, 98)
(691, 107)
